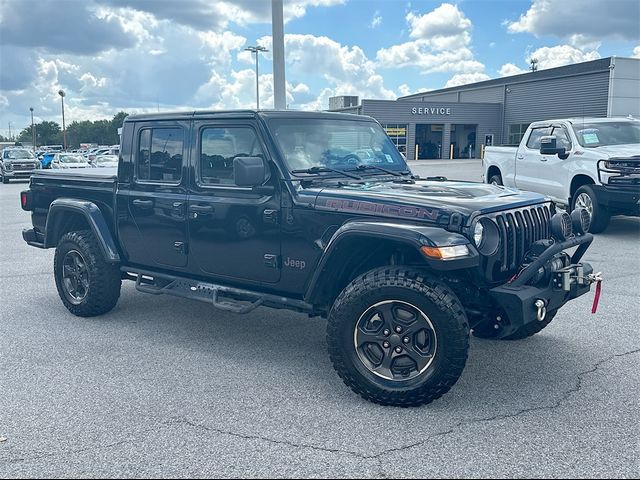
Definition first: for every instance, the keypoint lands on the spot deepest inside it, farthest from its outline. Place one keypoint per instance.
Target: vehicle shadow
(623, 227)
(288, 346)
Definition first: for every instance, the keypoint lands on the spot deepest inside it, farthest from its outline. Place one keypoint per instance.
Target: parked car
(16, 162)
(46, 159)
(246, 209)
(105, 161)
(69, 160)
(590, 163)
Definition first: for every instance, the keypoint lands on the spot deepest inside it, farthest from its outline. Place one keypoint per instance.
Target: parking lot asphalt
(172, 388)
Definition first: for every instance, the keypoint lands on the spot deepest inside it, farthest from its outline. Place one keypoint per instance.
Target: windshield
(72, 159)
(598, 134)
(18, 154)
(337, 144)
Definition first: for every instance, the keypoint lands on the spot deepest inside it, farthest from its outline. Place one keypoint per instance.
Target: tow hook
(542, 309)
(597, 278)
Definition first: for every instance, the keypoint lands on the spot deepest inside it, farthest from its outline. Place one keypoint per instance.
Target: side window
(536, 135)
(562, 138)
(159, 157)
(219, 146)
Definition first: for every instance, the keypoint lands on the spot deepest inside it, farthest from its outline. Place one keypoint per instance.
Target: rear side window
(159, 157)
(536, 135)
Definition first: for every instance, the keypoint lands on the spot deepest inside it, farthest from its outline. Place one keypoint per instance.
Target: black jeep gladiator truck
(318, 213)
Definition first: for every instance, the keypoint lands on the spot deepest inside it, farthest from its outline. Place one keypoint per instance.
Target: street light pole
(33, 132)
(256, 50)
(64, 130)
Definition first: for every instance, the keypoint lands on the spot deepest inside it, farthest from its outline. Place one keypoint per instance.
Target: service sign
(431, 110)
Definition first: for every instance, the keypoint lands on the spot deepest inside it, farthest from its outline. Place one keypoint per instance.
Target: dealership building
(456, 122)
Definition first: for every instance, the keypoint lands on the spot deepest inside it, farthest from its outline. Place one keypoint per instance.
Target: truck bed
(97, 185)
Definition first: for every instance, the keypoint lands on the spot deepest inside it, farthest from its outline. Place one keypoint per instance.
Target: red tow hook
(597, 277)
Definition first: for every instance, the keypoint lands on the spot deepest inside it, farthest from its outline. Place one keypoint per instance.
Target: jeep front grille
(519, 229)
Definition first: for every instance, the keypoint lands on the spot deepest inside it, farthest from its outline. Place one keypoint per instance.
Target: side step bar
(225, 298)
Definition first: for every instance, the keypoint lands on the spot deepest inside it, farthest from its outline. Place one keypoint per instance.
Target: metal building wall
(487, 117)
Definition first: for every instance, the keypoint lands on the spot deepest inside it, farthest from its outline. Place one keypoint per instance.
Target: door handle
(201, 208)
(520, 157)
(143, 203)
(543, 159)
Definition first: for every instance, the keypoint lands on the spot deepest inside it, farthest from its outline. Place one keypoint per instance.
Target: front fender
(92, 215)
(341, 248)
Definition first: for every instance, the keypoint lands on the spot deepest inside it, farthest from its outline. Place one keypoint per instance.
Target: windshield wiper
(363, 167)
(317, 169)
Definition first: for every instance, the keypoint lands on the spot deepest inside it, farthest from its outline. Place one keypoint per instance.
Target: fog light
(561, 226)
(581, 221)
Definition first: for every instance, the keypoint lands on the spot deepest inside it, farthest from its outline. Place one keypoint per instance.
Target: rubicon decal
(404, 211)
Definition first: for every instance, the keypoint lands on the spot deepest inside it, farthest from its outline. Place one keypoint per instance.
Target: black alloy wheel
(395, 340)
(75, 277)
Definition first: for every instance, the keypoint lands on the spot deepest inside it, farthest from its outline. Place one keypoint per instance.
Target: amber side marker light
(445, 253)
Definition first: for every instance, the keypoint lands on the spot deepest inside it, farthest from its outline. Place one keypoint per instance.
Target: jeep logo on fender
(291, 263)
(406, 211)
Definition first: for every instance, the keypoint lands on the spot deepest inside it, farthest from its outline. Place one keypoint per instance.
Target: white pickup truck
(590, 163)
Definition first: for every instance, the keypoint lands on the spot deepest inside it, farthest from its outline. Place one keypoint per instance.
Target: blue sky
(140, 55)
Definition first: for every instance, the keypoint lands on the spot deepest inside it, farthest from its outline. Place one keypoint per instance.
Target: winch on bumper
(552, 279)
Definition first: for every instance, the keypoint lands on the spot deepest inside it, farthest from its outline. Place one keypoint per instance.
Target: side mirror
(249, 171)
(548, 146)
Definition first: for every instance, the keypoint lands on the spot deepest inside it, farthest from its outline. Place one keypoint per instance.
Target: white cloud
(376, 21)
(346, 69)
(404, 90)
(581, 21)
(442, 43)
(445, 21)
(559, 55)
(636, 52)
(465, 78)
(509, 69)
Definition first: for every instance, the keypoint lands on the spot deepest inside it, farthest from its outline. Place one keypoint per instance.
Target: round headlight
(561, 226)
(581, 220)
(486, 236)
(478, 233)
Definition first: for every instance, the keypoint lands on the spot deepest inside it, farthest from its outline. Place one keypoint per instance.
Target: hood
(422, 200)
(611, 151)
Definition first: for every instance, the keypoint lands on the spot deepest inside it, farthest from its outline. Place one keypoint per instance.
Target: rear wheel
(397, 337)
(496, 179)
(585, 197)
(87, 285)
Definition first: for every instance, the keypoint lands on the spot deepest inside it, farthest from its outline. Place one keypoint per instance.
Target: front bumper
(625, 200)
(13, 173)
(518, 298)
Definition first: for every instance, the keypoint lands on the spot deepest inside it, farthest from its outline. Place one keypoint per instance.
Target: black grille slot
(519, 229)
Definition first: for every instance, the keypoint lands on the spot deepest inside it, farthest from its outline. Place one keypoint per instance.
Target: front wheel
(397, 337)
(87, 284)
(585, 197)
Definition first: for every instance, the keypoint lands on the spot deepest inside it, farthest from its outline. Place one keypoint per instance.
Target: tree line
(102, 132)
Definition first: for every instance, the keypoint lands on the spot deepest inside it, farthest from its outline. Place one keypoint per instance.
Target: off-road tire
(104, 278)
(600, 216)
(497, 179)
(488, 330)
(439, 304)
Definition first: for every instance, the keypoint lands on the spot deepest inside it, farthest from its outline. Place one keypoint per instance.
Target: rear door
(157, 196)
(234, 232)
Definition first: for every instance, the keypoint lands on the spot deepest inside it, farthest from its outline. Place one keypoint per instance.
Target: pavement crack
(184, 421)
(558, 403)
(66, 452)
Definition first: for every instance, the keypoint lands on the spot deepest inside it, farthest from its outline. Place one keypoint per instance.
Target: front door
(157, 196)
(529, 160)
(234, 232)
